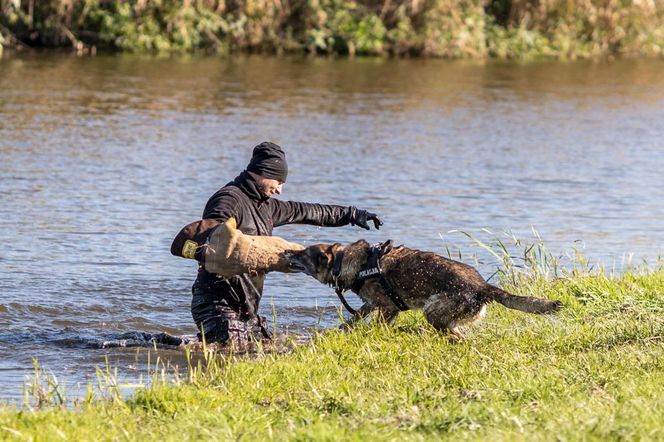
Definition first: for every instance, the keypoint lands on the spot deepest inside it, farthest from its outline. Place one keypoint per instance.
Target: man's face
(269, 186)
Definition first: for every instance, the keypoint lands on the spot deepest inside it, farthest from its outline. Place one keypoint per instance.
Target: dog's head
(316, 260)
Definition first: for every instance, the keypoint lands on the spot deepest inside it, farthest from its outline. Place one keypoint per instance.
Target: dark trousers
(224, 310)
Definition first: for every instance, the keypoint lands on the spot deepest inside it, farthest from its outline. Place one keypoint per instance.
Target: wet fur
(449, 292)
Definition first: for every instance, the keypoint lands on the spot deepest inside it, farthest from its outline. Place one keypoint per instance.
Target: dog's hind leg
(444, 313)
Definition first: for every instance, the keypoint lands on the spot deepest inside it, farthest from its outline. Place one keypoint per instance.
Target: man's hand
(361, 218)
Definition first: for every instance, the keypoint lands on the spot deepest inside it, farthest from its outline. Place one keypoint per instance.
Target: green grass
(594, 371)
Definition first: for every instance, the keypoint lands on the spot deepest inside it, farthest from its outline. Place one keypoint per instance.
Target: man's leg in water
(218, 321)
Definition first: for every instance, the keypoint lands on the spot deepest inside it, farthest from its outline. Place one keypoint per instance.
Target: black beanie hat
(269, 160)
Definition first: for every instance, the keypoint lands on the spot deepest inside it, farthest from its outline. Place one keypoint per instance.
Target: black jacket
(257, 215)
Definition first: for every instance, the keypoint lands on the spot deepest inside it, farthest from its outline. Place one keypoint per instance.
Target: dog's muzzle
(294, 263)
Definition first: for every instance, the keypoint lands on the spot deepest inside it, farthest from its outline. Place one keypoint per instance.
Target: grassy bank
(594, 371)
(431, 28)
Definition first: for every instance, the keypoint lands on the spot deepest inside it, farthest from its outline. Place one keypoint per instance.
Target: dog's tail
(526, 304)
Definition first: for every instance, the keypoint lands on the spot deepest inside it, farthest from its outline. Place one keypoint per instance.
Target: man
(225, 310)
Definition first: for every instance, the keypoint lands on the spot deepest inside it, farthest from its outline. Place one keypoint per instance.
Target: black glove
(361, 218)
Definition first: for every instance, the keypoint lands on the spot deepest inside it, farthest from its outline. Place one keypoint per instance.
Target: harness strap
(371, 270)
(340, 293)
(389, 291)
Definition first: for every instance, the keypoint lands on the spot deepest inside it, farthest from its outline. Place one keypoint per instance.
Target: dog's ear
(332, 253)
(325, 258)
(335, 248)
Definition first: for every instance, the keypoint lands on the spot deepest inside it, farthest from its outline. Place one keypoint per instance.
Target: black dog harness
(370, 270)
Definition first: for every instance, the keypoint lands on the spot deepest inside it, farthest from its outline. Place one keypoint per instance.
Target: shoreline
(591, 371)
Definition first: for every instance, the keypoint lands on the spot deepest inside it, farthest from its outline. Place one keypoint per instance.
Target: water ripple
(103, 161)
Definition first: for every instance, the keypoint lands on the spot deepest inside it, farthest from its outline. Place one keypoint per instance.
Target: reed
(565, 29)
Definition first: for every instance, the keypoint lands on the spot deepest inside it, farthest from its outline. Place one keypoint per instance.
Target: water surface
(104, 159)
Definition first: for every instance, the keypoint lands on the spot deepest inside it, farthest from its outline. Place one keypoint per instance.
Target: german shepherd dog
(450, 293)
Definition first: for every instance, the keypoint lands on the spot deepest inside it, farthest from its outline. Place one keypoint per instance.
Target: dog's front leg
(359, 315)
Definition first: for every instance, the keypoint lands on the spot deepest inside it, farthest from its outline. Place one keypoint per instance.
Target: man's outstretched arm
(292, 212)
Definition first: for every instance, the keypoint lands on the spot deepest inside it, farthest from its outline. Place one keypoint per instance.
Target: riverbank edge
(474, 29)
(593, 371)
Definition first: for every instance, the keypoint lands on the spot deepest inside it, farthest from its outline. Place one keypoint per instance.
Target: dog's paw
(557, 306)
(456, 336)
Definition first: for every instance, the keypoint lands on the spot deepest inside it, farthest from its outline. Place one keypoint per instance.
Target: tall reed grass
(430, 28)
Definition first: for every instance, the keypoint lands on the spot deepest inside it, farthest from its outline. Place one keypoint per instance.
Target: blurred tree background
(565, 29)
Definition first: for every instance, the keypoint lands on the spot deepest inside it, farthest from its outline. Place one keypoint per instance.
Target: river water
(105, 158)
